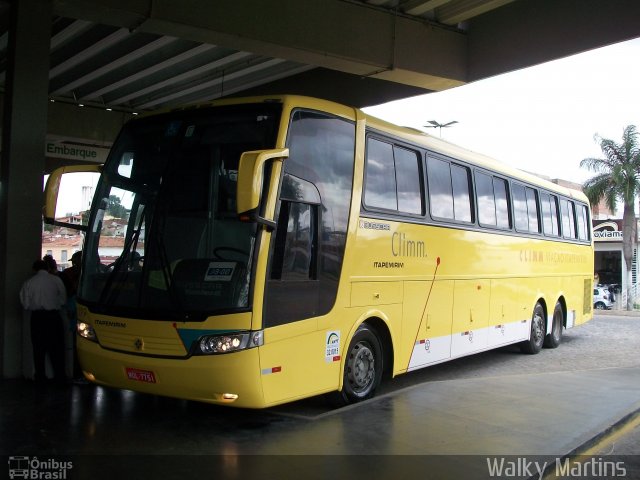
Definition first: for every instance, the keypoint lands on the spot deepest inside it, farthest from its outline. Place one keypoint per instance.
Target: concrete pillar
(21, 167)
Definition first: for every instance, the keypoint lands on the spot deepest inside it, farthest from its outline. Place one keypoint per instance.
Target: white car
(601, 298)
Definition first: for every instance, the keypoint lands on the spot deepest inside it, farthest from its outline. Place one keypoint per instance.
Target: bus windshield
(164, 240)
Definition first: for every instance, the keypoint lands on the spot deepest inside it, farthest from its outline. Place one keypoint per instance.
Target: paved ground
(442, 422)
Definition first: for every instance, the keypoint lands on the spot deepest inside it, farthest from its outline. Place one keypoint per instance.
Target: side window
(380, 182)
(582, 215)
(502, 204)
(493, 207)
(393, 178)
(555, 216)
(520, 214)
(486, 200)
(461, 193)
(449, 190)
(295, 259)
(549, 211)
(587, 221)
(440, 189)
(532, 209)
(408, 177)
(525, 206)
(568, 219)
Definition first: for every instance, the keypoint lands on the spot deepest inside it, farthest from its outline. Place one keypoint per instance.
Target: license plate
(146, 376)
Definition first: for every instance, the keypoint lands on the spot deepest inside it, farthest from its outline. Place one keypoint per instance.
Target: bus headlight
(86, 331)
(214, 344)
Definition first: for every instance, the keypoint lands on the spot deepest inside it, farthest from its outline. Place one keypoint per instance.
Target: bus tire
(538, 329)
(555, 337)
(362, 368)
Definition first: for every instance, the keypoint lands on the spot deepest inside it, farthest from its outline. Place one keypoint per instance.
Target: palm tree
(618, 178)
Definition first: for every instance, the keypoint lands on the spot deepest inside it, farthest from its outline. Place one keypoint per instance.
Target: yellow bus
(257, 251)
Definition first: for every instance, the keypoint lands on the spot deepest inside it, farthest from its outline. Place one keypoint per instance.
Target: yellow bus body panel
(465, 291)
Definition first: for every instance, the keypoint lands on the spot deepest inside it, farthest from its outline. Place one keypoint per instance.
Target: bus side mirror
(61, 179)
(250, 179)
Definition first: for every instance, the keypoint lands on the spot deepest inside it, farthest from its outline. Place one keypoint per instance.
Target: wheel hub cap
(362, 369)
(537, 328)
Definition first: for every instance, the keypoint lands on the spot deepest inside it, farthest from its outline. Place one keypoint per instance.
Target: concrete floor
(448, 428)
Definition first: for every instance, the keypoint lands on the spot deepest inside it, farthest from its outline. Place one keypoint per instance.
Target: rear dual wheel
(553, 339)
(538, 337)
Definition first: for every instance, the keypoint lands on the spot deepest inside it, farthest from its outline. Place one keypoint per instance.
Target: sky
(540, 119)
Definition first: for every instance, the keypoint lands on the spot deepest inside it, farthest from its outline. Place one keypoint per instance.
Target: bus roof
(452, 150)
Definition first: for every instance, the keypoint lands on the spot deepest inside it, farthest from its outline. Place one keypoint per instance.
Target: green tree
(115, 208)
(618, 178)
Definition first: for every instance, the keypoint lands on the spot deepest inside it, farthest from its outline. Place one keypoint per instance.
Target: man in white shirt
(44, 295)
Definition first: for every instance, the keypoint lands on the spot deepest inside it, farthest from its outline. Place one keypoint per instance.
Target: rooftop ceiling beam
(148, 71)
(175, 79)
(138, 53)
(334, 34)
(71, 31)
(461, 10)
(183, 92)
(418, 7)
(89, 52)
(263, 79)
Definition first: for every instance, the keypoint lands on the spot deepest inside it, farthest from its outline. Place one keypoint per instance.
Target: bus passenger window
(449, 190)
(581, 217)
(393, 178)
(408, 177)
(549, 210)
(461, 193)
(380, 190)
(525, 209)
(568, 222)
(486, 200)
(520, 208)
(493, 206)
(440, 189)
(532, 209)
(502, 204)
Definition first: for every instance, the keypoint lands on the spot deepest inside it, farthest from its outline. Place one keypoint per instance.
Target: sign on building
(81, 153)
(607, 232)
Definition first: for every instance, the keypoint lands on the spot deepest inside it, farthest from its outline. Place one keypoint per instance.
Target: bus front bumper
(230, 379)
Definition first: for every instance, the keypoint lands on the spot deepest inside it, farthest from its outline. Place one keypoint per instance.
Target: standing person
(52, 266)
(44, 295)
(70, 277)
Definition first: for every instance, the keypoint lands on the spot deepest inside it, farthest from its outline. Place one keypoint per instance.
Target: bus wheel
(555, 337)
(538, 329)
(362, 368)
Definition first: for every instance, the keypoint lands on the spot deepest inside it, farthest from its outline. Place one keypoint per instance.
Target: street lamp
(440, 126)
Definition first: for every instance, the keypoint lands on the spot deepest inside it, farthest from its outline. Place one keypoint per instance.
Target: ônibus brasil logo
(40, 469)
